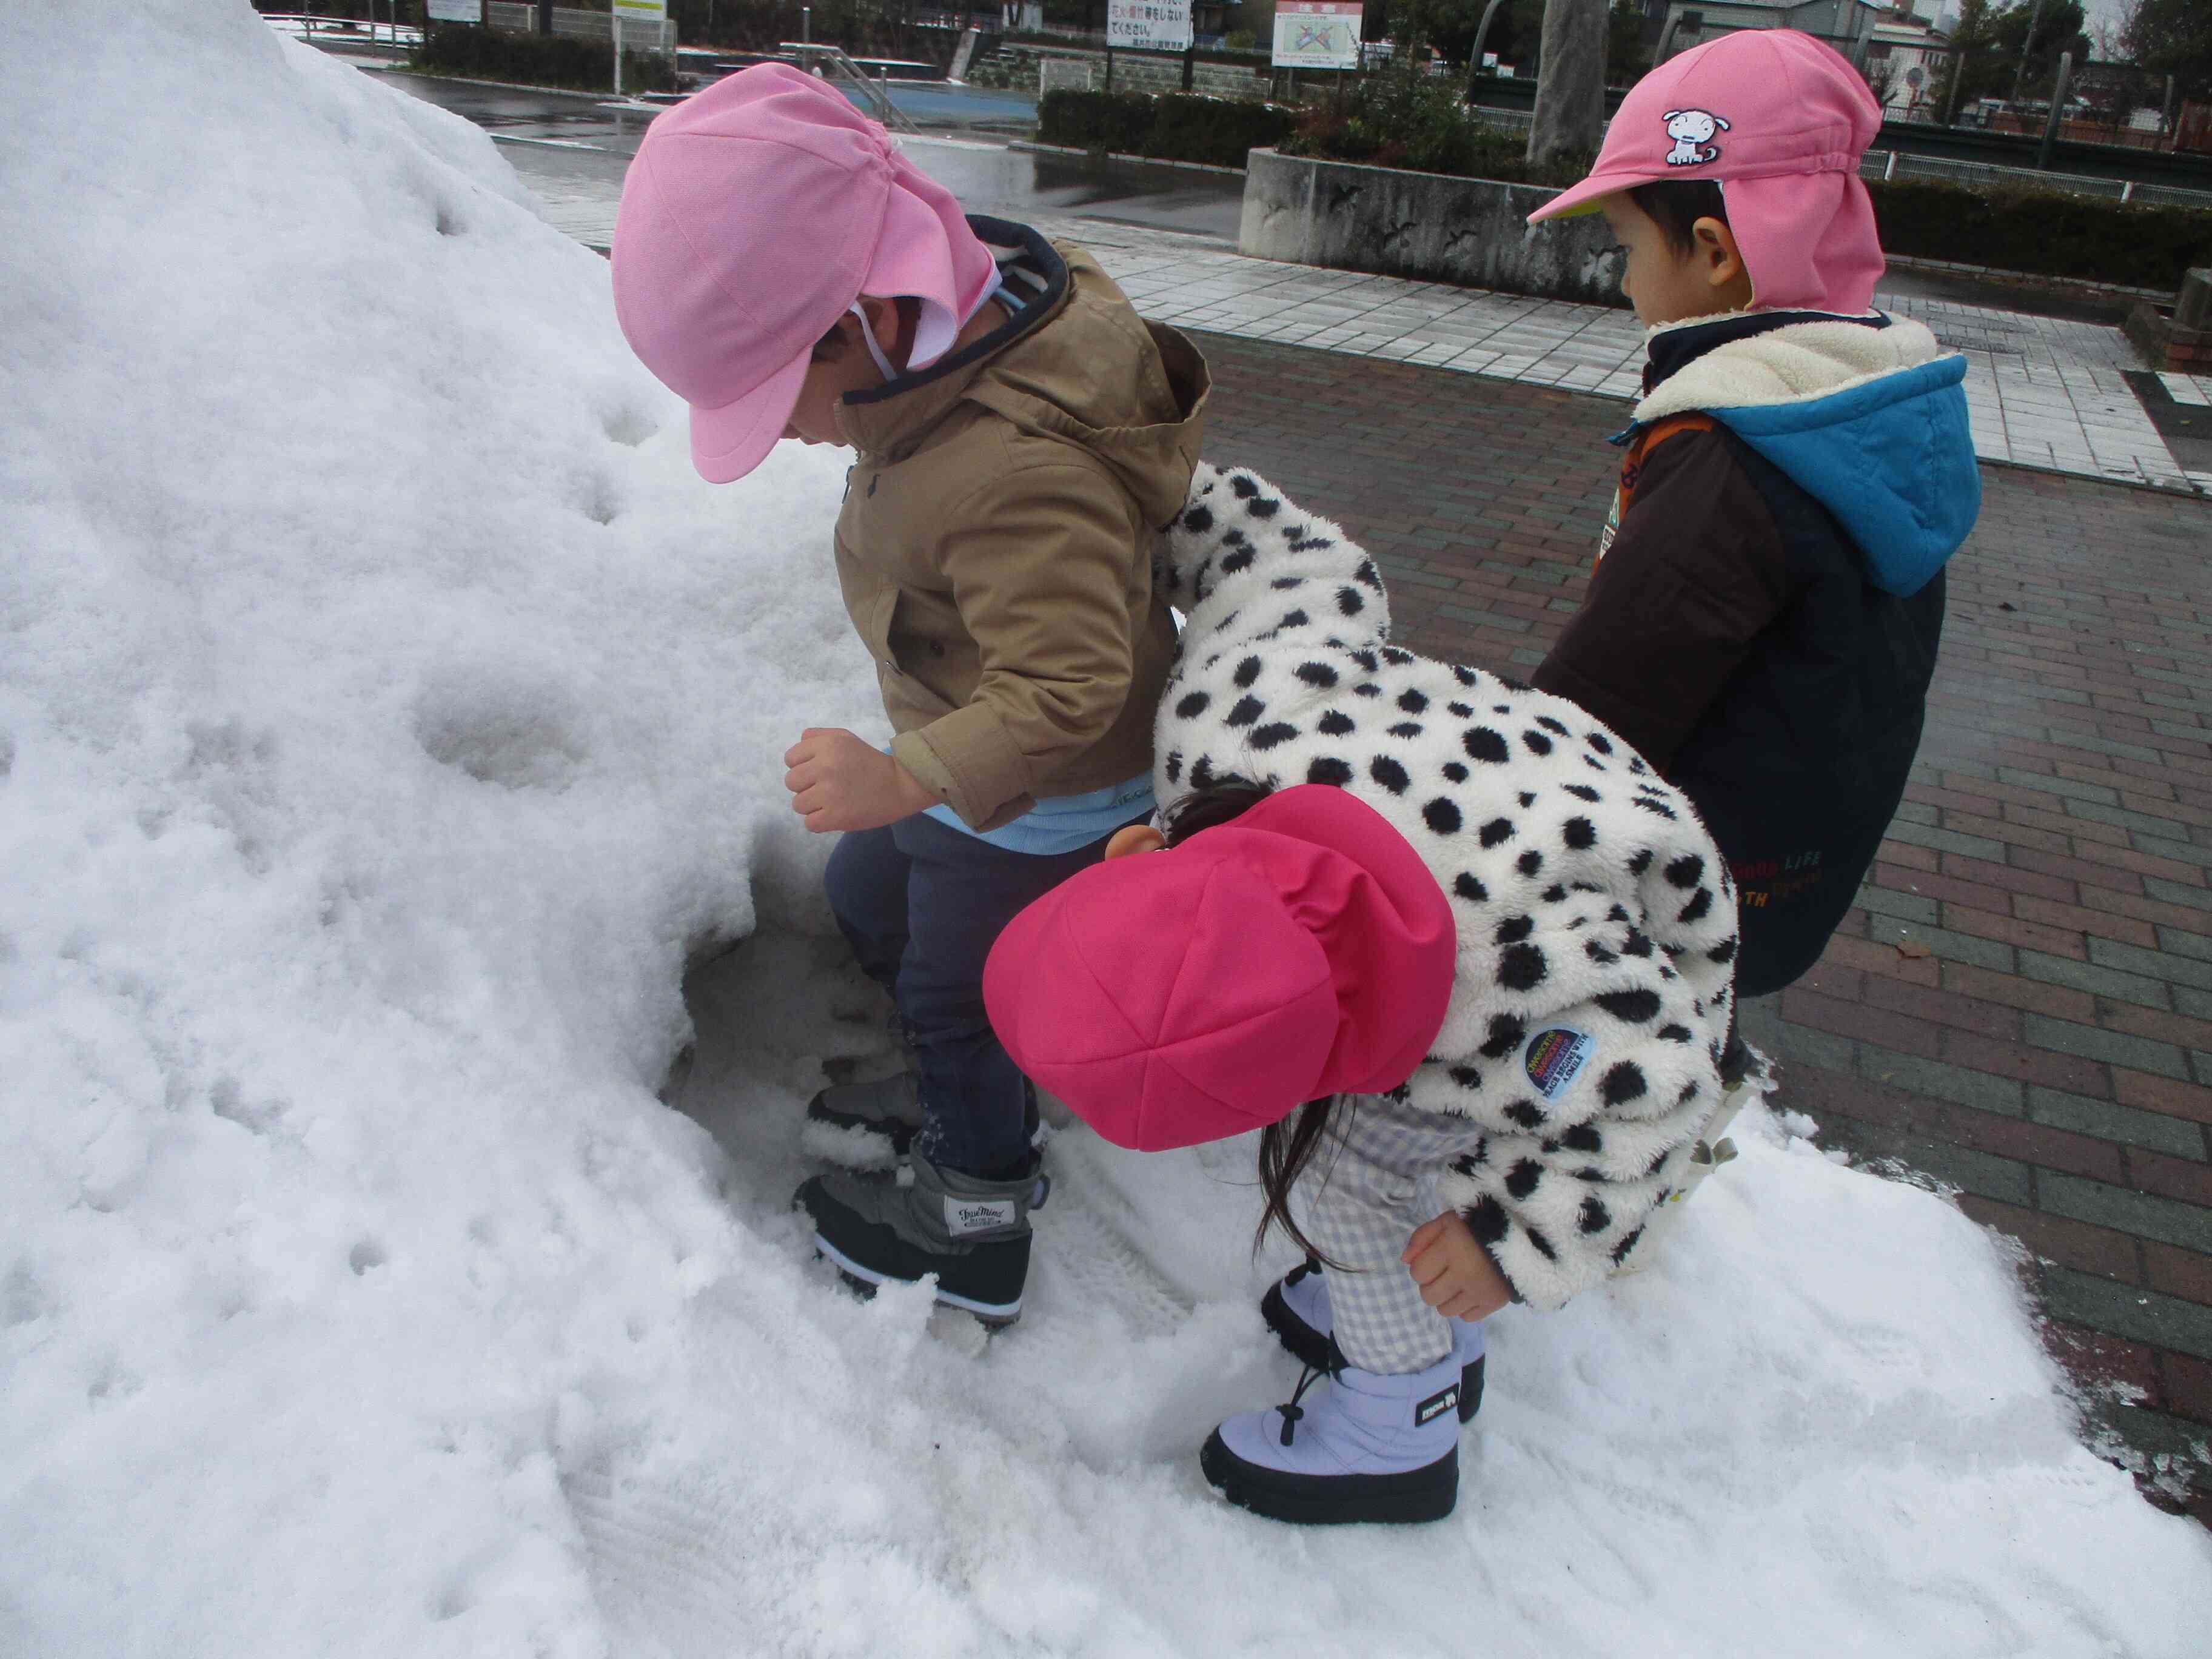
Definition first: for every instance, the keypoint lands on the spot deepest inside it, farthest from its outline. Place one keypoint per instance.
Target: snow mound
(386, 715)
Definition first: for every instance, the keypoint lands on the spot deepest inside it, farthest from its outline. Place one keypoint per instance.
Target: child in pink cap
(1019, 435)
(1448, 945)
(1763, 620)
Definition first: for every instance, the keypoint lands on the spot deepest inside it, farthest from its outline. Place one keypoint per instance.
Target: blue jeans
(921, 905)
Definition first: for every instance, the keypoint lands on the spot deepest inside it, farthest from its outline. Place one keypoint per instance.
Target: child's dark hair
(1676, 205)
(1288, 1146)
(831, 345)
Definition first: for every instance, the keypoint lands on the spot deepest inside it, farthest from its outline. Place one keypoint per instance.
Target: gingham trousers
(1372, 1181)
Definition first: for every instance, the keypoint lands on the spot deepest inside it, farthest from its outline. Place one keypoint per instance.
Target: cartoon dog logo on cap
(1689, 128)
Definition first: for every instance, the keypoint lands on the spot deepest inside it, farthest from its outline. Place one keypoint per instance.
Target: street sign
(456, 11)
(641, 11)
(1317, 34)
(1149, 25)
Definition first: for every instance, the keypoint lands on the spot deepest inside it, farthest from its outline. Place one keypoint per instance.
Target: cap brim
(1584, 199)
(728, 442)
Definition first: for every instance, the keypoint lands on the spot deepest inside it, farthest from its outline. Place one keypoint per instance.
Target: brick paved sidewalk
(2043, 1040)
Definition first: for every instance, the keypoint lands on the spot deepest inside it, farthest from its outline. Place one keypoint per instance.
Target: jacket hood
(1867, 415)
(1065, 363)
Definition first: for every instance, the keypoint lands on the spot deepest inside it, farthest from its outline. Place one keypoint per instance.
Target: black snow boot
(863, 1125)
(972, 1233)
(869, 1125)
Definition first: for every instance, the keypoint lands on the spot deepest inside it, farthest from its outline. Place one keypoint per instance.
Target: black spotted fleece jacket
(1597, 926)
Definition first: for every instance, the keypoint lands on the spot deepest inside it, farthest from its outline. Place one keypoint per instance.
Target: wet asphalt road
(582, 137)
(574, 137)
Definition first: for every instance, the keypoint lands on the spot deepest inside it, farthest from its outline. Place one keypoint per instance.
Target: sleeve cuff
(967, 761)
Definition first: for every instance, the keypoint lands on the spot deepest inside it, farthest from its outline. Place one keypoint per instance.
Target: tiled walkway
(2021, 1005)
(2042, 393)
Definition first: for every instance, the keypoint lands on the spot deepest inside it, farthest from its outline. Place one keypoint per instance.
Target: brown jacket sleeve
(1045, 576)
(1696, 572)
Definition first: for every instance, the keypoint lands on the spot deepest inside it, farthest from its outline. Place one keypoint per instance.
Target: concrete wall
(1423, 225)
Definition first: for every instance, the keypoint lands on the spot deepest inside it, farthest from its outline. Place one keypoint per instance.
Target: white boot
(1359, 1447)
(1296, 1309)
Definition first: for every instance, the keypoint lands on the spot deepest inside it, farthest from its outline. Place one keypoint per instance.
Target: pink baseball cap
(1301, 950)
(1781, 119)
(753, 215)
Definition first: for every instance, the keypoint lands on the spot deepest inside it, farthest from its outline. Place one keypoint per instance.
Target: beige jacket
(996, 545)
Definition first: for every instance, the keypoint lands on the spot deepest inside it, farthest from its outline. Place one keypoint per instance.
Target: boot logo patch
(977, 1215)
(1444, 1401)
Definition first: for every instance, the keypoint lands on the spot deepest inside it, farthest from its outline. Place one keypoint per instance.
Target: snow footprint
(515, 735)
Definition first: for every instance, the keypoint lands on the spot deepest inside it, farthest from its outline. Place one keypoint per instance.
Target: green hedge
(1173, 126)
(2043, 234)
(538, 60)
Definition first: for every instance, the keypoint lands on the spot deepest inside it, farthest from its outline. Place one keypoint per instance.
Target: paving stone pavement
(2041, 392)
(2021, 1006)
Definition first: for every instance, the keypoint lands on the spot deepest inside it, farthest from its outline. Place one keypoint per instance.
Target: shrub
(1420, 124)
(2044, 234)
(538, 60)
(1172, 126)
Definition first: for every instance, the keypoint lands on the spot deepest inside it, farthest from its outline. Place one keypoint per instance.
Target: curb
(1116, 156)
(2028, 278)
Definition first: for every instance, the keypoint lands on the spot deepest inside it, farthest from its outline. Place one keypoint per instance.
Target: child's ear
(1721, 260)
(1134, 838)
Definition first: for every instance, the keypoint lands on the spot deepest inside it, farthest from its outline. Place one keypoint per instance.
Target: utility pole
(2057, 111)
(2034, 20)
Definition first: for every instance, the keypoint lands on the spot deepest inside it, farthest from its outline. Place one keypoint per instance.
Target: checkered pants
(1373, 1180)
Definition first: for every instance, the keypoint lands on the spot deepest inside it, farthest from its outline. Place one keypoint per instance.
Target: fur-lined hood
(1867, 415)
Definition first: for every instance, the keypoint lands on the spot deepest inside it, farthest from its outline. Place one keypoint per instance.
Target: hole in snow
(366, 1255)
(449, 222)
(629, 426)
(513, 736)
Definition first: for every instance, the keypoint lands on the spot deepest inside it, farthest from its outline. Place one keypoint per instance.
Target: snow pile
(385, 713)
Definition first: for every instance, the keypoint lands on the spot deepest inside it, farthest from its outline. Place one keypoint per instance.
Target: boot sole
(1419, 1495)
(1318, 1352)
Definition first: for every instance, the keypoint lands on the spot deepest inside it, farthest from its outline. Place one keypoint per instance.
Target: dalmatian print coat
(1597, 920)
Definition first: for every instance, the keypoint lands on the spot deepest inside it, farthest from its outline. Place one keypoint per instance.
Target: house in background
(1902, 63)
(1846, 25)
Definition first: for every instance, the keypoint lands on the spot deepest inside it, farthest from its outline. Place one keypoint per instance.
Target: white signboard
(456, 11)
(641, 11)
(1149, 25)
(1317, 34)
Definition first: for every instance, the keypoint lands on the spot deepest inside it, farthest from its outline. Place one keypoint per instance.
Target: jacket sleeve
(1044, 577)
(1696, 572)
(1243, 559)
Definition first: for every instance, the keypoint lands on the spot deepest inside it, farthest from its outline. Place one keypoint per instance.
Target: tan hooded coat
(996, 545)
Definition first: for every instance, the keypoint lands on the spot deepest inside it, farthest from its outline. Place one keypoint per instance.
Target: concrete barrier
(1423, 225)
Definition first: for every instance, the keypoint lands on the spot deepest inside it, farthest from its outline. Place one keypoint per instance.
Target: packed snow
(388, 717)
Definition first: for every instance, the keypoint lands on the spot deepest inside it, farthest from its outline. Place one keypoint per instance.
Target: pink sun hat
(753, 215)
(1301, 950)
(1781, 120)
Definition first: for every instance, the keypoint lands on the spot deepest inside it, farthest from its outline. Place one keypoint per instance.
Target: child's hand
(1457, 1275)
(839, 781)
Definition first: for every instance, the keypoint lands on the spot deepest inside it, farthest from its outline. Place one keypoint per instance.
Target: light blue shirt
(1065, 822)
